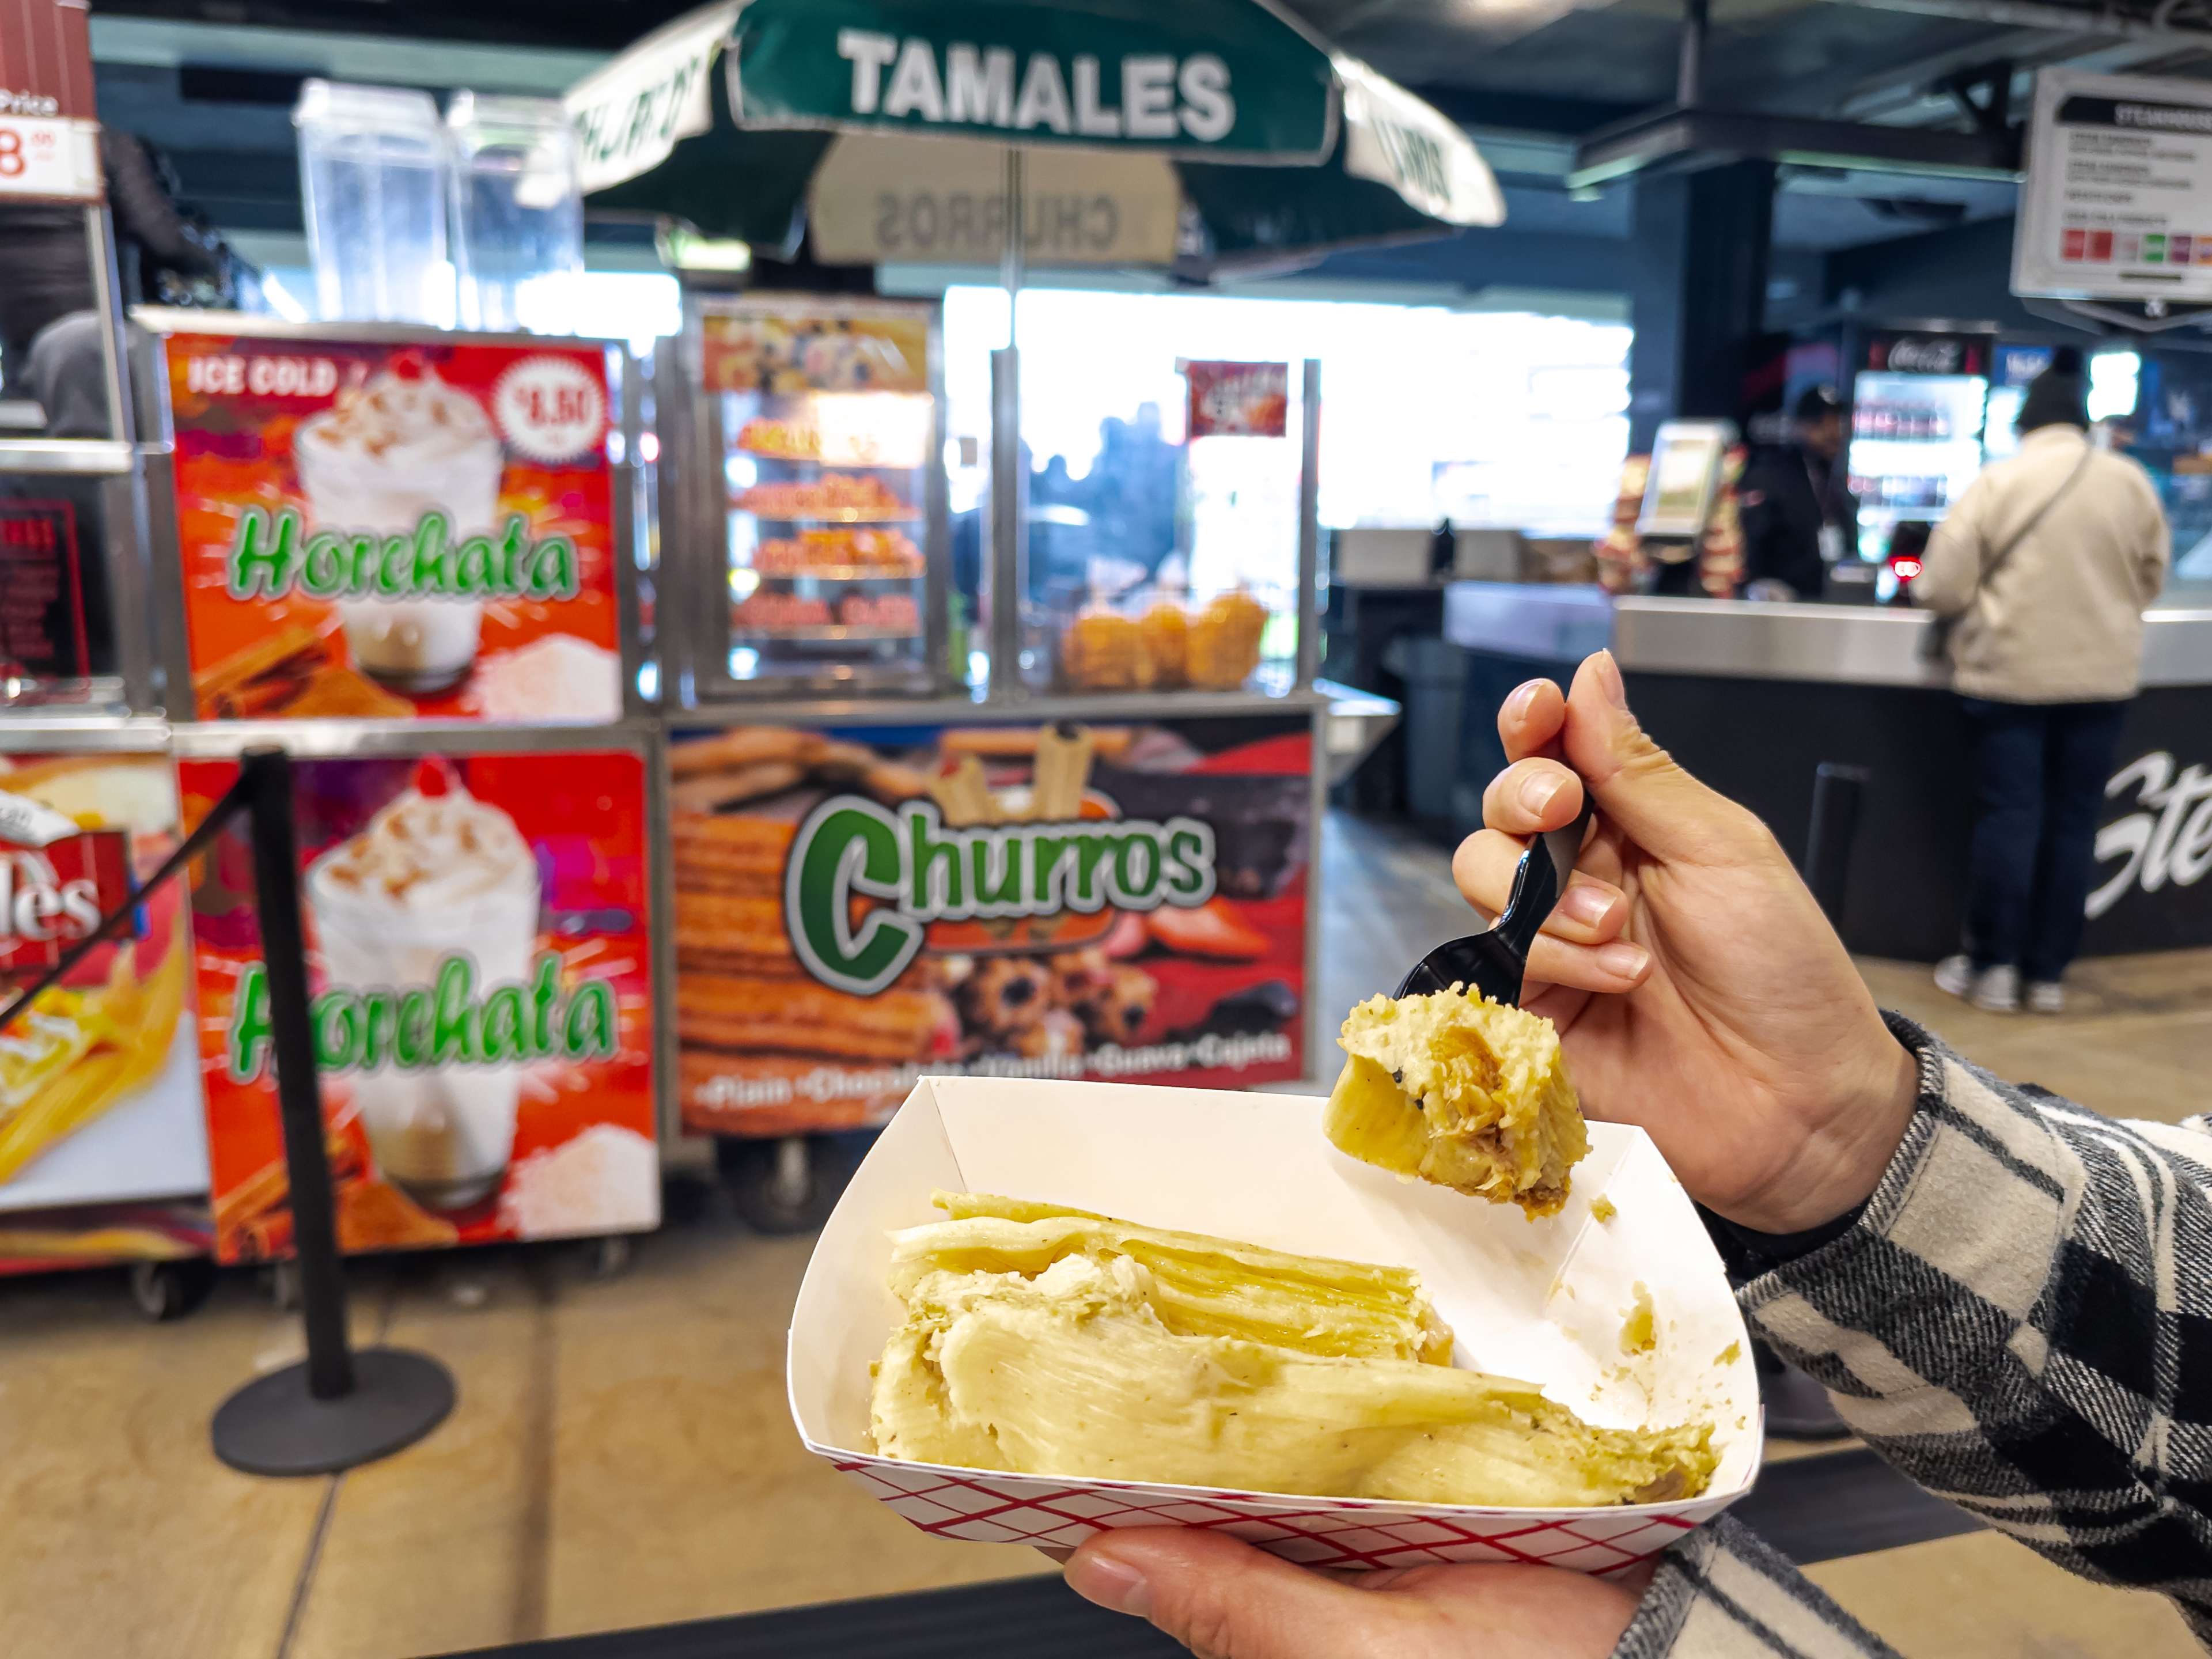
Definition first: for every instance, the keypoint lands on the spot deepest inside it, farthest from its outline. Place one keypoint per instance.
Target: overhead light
(683, 248)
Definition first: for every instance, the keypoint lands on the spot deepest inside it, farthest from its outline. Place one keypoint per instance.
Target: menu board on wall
(478, 948)
(2118, 199)
(100, 1098)
(385, 531)
(856, 907)
(42, 628)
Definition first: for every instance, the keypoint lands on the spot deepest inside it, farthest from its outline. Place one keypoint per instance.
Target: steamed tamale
(1467, 1093)
(1047, 1342)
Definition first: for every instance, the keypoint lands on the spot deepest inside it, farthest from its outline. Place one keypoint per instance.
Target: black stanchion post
(268, 773)
(1837, 793)
(337, 1408)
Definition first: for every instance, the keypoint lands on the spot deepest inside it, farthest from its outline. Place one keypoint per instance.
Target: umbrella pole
(1009, 487)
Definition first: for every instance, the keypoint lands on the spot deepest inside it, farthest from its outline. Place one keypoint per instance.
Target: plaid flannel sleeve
(2021, 1322)
(1723, 1594)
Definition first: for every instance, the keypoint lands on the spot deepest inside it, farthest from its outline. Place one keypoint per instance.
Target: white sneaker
(1955, 974)
(1997, 991)
(2046, 996)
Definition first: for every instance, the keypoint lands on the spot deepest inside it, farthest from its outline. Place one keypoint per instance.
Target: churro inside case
(1556, 1301)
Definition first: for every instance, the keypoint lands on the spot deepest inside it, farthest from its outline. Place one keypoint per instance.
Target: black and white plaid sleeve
(2020, 1320)
(2022, 1323)
(1723, 1594)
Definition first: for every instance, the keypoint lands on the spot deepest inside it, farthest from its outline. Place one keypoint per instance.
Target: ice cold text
(226, 376)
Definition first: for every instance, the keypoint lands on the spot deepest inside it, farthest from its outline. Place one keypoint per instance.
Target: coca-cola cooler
(1919, 398)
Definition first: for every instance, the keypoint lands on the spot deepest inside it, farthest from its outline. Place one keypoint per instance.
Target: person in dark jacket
(1798, 514)
(49, 344)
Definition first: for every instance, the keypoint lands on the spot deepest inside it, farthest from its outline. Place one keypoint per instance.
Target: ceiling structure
(211, 82)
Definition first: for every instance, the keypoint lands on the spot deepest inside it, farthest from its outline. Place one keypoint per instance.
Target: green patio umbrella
(1214, 132)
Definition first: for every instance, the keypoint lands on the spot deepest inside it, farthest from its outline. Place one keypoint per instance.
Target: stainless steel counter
(1851, 645)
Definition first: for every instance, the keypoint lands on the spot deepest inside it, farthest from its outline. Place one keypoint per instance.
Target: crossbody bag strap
(1997, 560)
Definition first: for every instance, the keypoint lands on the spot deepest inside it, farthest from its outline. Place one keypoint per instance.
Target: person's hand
(1226, 1599)
(1698, 991)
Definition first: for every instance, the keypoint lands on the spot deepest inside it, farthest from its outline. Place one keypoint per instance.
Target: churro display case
(805, 483)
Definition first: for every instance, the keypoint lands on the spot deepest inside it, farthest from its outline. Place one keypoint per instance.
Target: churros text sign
(483, 1014)
(857, 907)
(386, 531)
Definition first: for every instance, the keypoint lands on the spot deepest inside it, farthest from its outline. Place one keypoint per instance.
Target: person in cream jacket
(2045, 564)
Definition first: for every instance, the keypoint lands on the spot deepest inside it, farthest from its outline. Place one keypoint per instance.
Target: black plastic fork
(1493, 963)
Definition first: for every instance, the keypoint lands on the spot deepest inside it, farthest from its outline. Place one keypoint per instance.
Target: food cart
(723, 794)
(982, 814)
(1097, 864)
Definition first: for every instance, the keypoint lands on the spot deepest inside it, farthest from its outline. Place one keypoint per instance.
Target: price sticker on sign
(552, 408)
(50, 157)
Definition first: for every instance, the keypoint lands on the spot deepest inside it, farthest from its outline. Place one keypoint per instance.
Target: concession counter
(1755, 697)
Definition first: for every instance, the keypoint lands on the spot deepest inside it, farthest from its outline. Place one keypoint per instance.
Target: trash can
(1435, 676)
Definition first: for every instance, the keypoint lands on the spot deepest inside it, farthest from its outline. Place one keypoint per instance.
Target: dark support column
(1697, 295)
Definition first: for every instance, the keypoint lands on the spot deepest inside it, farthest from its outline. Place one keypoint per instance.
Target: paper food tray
(1542, 1300)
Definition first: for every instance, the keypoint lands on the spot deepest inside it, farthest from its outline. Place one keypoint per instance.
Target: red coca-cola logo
(53, 896)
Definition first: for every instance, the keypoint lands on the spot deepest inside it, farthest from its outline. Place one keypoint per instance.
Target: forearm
(1722, 1594)
(2024, 1309)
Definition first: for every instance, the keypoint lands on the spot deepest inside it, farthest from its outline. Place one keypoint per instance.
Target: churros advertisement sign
(482, 1005)
(857, 908)
(99, 1097)
(388, 532)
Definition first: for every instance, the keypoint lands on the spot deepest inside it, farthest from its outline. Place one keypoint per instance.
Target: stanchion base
(273, 1426)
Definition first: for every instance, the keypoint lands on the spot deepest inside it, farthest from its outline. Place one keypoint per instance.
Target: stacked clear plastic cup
(373, 171)
(518, 210)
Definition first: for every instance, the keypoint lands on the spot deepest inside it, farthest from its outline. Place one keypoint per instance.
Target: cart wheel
(686, 1199)
(282, 1280)
(610, 1256)
(170, 1290)
(779, 1186)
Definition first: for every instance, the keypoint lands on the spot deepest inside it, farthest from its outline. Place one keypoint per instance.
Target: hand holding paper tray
(1544, 1301)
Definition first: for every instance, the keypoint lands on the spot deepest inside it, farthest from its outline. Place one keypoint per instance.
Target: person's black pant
(2039, 776)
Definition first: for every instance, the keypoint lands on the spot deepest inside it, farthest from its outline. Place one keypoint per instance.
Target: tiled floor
(621, 1454)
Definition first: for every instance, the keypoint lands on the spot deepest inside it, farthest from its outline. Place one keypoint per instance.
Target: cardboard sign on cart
(1544, 1300)
(1155, 926)
(388, 524)
(480, 952)
(102, 1140)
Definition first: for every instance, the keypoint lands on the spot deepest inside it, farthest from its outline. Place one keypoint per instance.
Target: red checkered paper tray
(1544, 1300)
